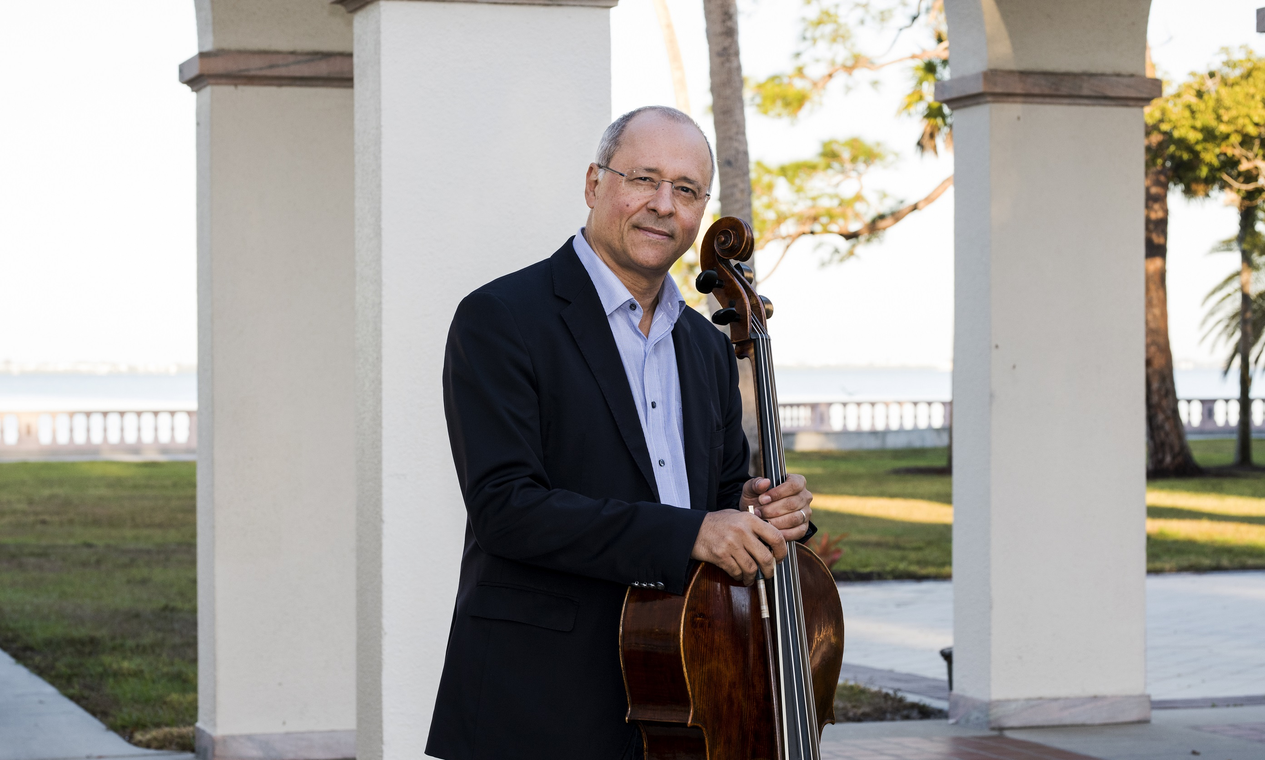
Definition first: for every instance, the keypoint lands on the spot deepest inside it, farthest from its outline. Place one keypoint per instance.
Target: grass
(98, 589)
(860, 704)
(98, 577)
(897, 509)
(899, 525)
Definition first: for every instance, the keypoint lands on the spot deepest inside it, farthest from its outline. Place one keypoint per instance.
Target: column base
(299, 745)
(1028, 713)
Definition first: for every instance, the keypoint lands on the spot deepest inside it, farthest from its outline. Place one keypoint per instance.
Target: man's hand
(787, 507)
(739, 543)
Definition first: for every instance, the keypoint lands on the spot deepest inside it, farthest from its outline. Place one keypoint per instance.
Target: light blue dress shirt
(650, 363)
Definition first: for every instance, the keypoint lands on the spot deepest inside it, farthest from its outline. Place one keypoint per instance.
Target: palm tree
(732, 158)
(1214, 125)
(1168, 452)
(1226, 315)
(675, 64)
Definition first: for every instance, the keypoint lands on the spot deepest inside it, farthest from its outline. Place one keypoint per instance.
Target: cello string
(775, 458)
(790, 664)
(788, 693)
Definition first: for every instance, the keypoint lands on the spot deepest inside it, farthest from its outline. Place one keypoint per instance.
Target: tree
(825, 196)
(1225, 313)
(675, 63)
(1215, 123)
(733, 164)
(729, 118)
(1168, 452)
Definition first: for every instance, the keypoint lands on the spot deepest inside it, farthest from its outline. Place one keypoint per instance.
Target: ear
(590, 185)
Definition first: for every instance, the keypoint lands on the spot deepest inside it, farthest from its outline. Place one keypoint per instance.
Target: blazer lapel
(588, 325)
(695, 407)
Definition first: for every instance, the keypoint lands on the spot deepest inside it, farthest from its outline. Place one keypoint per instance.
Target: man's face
(643, 235)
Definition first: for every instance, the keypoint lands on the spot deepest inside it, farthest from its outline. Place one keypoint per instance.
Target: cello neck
(772, 455)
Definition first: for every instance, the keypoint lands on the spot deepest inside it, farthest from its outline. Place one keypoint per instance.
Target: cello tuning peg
(725, 316)
(747, 272)
(707, 281)
(768, 307)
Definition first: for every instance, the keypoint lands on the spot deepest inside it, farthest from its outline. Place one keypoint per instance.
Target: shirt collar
(613, 293)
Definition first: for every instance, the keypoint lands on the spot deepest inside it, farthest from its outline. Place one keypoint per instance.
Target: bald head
(614, 134)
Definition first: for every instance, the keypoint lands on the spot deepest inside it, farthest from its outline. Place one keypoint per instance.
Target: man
(596, 428)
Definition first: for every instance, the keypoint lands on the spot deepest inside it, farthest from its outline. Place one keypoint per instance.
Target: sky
(97, 193)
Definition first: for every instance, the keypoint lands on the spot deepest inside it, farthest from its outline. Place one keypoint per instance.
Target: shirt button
(653, 405)
(632, 307)
(660, 462)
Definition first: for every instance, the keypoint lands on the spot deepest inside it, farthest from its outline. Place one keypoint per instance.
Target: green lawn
(98, 586)
(900, 524)
(97, 561)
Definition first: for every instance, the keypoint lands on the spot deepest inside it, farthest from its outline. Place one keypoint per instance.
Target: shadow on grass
(1174, 555)
(882, 549)
(1177, 513)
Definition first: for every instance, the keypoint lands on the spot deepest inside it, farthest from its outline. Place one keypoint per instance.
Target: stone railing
(89, 435)
(1201, 417)
(1218, 417)
(837, 425)
(865, 416)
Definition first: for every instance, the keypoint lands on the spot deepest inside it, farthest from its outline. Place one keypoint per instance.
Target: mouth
(654, 233)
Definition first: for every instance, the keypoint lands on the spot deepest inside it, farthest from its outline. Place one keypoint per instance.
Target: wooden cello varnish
(701, 680)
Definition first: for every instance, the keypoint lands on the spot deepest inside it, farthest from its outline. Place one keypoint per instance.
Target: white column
(276, 476)
(475, 124)
(1049, 542)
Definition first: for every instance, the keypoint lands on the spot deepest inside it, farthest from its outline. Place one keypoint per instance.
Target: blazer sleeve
(494, 426)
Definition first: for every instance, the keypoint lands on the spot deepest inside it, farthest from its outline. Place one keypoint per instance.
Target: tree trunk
(727, 108)
(733, 163)
(675, 64)
(1243, 451)
(1169, 453)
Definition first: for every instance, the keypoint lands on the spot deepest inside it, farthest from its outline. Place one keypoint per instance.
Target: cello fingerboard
(800, 729)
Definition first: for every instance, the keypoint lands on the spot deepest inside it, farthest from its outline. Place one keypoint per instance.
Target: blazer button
(659, 585)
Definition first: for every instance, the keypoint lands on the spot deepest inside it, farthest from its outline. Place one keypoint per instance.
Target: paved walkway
(1204, 637)
(38, 723)
(1236, 733)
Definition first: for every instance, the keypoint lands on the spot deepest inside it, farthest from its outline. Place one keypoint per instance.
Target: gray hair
(615, 132)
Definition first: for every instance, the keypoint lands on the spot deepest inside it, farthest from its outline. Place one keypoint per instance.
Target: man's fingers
(771, 537)
(755, 486)
(793, 519)
(787, 506)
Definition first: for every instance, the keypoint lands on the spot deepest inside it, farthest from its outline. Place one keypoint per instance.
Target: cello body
(695, 665)
(726, 671)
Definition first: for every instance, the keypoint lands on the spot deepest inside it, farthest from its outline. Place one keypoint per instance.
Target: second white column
(475, 124)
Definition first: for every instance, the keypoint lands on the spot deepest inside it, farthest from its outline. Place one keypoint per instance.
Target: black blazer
(562, 511)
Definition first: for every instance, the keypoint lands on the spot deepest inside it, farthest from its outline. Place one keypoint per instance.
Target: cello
(725, 671)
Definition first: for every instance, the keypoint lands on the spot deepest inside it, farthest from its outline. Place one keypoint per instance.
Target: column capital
(351, 6)
(1055, 88)
(267, 68)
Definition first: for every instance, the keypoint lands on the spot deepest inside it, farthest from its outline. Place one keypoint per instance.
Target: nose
(661, 202)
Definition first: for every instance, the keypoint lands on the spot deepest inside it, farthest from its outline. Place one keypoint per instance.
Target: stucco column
(276, 475)
(1049, 542)
(475, 123)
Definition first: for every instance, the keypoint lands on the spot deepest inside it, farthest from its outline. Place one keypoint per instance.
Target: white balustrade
(157, 433)
(864, 416)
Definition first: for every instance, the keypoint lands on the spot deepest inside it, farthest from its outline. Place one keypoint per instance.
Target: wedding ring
(801, 514)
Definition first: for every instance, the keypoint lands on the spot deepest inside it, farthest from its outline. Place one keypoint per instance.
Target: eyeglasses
(643, 185)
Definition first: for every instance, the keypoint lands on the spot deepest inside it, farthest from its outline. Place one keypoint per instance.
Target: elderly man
(596, 429)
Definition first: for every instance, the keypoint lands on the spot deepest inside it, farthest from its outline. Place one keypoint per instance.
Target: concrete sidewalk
(1236, 733)
(1203, 637)
(38, 723)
